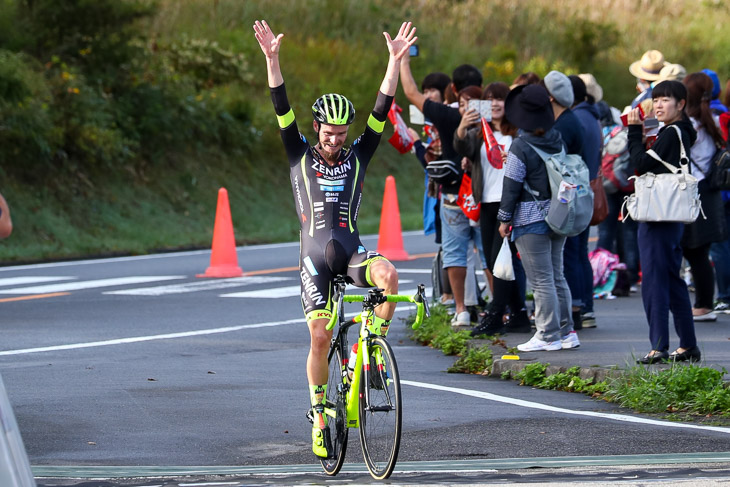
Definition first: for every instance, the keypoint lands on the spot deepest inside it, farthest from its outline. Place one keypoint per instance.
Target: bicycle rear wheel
(380, 410)
(335, 404)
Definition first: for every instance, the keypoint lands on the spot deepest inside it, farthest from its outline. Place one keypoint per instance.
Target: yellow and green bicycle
(366, 395)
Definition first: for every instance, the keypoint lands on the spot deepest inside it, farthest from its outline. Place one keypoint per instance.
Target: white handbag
(666, 197)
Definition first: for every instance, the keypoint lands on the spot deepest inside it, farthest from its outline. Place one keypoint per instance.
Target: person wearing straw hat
(522, 217)
(646, 70)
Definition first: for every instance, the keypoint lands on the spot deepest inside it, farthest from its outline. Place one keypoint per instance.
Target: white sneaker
(537, 345)
(461, 319)
(570, 340)
(709, 316)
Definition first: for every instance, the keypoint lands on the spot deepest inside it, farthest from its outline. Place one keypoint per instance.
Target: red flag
(494, 151)
(401, 139)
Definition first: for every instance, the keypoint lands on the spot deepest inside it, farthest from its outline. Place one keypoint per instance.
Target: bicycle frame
(364, 319)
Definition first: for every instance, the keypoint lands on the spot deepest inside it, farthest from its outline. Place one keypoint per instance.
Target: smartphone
(484, 107)
(651, 123)
(413, 51)
(416, 115)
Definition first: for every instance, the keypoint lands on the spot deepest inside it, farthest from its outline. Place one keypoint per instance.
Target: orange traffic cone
(223, 259)
(390, 239)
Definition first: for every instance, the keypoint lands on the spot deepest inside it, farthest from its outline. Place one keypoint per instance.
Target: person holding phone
(487, 179)
(455, 228)
(660, 251)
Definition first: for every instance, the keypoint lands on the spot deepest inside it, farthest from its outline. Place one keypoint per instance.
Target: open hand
(399, 46)
(269, 43)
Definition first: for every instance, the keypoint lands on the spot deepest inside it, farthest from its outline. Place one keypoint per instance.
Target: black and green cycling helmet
(333, 109)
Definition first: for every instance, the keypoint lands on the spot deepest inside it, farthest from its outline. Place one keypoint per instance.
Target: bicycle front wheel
(336, 415)
(380, 410)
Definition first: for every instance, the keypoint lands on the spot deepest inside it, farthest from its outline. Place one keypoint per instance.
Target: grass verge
(683, 392)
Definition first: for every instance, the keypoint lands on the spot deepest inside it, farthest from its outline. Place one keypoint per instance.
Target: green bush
(681, 388)
(474, 361)
(535, 375)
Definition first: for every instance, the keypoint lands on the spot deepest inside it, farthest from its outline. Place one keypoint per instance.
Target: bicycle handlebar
(419, 299)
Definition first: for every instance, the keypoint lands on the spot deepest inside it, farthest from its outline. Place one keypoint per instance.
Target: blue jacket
(593, 140)
(571, 131)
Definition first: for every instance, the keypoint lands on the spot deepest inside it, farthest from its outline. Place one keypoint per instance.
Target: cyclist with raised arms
(327, 182)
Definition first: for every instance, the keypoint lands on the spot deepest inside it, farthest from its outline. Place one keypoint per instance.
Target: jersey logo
(310, 289)
(327, 171)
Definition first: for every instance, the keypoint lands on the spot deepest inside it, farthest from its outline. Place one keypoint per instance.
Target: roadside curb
(500, 366)
(598, 374)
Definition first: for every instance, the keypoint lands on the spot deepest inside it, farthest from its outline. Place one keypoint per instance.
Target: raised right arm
(410, 88)
(294, 143)
(270, 47)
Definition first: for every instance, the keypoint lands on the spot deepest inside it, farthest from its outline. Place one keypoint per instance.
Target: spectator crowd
(488, 188)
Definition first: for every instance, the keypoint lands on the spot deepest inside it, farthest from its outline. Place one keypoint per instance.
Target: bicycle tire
(381, 415)
(337, 425)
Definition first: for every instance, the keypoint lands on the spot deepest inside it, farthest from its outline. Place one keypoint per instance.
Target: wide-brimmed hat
(649, 66)
(671, 71)
(592, 86)
(528, 107)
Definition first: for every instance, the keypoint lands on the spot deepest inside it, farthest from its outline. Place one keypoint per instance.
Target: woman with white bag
(660, 252)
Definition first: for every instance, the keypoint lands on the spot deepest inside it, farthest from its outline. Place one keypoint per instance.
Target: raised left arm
(397, 48)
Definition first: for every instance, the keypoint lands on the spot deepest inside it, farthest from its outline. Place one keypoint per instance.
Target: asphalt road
(163, 369)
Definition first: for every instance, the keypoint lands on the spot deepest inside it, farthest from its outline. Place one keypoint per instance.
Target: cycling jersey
(327, 199)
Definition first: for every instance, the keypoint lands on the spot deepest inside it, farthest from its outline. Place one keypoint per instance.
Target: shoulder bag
(666, 197)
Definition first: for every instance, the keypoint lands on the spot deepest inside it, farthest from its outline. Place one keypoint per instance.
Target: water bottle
(351, 361)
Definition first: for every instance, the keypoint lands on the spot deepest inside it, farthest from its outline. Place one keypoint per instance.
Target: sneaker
(518, 322)
(634, 289)
(461, 319)
(722, 307)
(570, 341)
(537, 345)
(588, 320)
(489, 324)
(709, 316)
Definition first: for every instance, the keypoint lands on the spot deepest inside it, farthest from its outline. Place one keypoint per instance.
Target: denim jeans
(542, 257)
(458, 237)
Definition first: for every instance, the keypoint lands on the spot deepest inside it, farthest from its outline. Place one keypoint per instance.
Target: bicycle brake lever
(422, 299)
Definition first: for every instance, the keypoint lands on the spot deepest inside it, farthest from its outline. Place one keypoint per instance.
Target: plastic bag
(503, 265)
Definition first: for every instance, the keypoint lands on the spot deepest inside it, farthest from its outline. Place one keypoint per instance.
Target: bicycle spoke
(336, 416)
(380, 411)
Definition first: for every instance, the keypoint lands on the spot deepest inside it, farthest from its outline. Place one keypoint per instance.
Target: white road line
(287, 292)
(278, 292)
(545, 407)
(168, 255)
(190, 287)
(77, 285)
(167, 336)
(20, 280)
